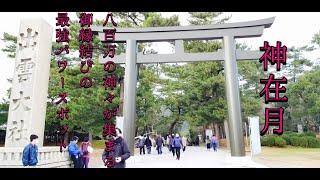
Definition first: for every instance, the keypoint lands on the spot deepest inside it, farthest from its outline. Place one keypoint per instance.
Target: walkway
(193, 157)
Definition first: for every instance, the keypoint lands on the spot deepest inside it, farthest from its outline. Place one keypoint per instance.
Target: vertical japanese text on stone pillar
(31, 75)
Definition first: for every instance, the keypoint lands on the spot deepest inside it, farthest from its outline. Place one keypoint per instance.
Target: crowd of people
(120, 152)
(174, 143)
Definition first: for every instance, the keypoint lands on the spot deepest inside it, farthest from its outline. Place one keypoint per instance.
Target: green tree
(4, 109)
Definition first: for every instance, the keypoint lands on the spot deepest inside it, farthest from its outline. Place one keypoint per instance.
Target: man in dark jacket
(148, 144)
(30, 152)
(177, 143)
(159, 143)
(75, 153)
(117, 157)
(141, 144)
(171, 145)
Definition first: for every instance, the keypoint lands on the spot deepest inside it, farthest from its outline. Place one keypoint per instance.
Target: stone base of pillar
(48, 157)
(245, 161)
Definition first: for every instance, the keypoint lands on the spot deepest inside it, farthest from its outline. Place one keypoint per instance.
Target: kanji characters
(112, 49)
(86, 51)
(22, 100)
(109, 35)
(109, 82)
(85, 35)
(275, 90)
(109, 129)
(279, 122)
(273, 55)
(86, 19)
(62, 19)
(62, 36)
(107, 18)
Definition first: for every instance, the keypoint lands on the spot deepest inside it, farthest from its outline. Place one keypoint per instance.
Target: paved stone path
(193, 157)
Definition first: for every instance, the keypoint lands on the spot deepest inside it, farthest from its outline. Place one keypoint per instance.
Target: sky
(291, 28)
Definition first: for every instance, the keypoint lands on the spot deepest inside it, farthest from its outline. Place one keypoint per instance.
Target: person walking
(148, 144)
(197, 141)
(84, 148)
(141, 144)
(30, 152)
(119, 154)
(214, 143)
(172, 146)
(208, 142)
(74, 152)
(184, 142)
(159, 143)
(168, 142)
(177, 143)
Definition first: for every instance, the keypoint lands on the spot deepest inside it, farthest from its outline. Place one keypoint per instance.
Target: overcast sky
(292, 29)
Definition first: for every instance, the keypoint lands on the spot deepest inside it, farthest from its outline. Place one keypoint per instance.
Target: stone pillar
(233, 97)
(28, 100)
(130, 86)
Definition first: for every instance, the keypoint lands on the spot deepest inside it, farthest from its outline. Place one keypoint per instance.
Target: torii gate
(227, 32)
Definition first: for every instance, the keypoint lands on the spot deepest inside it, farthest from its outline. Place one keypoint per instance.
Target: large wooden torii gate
(229, 54)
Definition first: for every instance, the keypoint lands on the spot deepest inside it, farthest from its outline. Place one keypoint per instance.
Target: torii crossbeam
(227, 32)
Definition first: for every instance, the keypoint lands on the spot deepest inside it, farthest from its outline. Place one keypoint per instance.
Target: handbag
(90, 149)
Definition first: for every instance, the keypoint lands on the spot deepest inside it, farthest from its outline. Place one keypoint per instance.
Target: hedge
(280, 142)
(306, 140)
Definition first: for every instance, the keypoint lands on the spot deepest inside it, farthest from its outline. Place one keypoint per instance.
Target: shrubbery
(309, 133)
(269, 141)
(279, 141)
(303, 141)
(313, 142)
(294, 140)
(286, 137)
(307, 140)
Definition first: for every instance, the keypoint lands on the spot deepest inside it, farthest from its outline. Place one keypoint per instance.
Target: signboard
(300, 129)
(255, 143)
